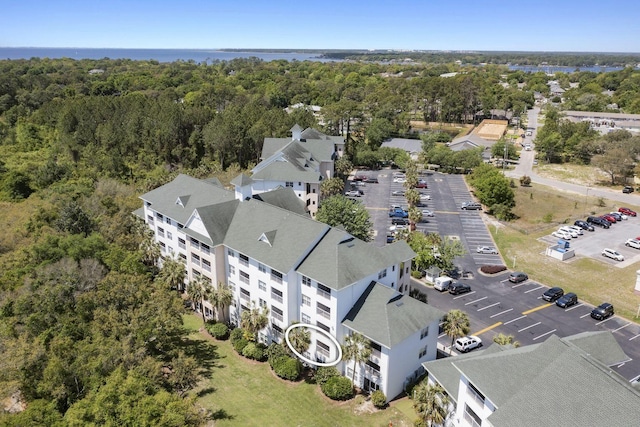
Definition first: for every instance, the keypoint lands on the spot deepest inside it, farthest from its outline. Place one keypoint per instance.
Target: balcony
(375, 356)
(324, 294)
(276, 297)
(478, 399)
(323, 313)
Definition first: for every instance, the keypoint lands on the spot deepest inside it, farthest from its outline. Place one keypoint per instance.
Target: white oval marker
(322, 331)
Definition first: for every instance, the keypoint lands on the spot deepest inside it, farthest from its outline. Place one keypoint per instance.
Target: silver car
(486, 250)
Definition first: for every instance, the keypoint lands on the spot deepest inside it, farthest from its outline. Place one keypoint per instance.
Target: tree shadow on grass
(205, 353)
(205, 391)
(221, 414)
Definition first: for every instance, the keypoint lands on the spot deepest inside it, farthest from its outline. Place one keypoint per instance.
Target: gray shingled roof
(193, 192)
(217, 219)
(340, 260)
(388, 317)
(241, 180)
(469, 141)
(297, 161)
(284, 198)
(551, 382)
(406, 144)
(602, 115)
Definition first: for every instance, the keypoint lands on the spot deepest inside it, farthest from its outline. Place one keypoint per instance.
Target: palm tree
(456, 325)
(300, 339)
(221, 299)
(357, 348)
(173, 273)
(254, 320)
(430, 403)
(199, 290)
(502, 339)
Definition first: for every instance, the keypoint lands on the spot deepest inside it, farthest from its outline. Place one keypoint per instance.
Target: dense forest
(90, 332)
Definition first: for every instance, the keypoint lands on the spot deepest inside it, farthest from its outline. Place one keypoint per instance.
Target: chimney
(296, 133)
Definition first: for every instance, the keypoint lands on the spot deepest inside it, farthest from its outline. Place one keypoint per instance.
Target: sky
(541, 25)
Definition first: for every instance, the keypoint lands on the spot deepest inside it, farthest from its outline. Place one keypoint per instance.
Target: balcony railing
(323, 313)
(276, 297)
(324, 294)
(468, 418)
(476, 398)
(375, 356)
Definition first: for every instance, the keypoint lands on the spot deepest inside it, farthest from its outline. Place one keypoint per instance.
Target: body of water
(160, 55)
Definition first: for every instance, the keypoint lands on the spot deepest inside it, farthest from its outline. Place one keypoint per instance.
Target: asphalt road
(495, 305)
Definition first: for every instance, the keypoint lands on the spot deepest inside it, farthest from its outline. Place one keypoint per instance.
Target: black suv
(567, 300)
(552, 294)
(399, 221)
(602, 311)
(459, 288)
(584, 225)
(598, 221)
(627, 189)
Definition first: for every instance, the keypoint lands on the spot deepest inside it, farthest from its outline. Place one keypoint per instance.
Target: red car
(627, 211)
(421, 184)
(609, 218)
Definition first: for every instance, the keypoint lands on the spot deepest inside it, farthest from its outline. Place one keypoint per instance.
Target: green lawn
(240, 392)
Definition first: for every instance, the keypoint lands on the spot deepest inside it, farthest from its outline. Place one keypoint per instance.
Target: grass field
(240, 392)
(541, 209)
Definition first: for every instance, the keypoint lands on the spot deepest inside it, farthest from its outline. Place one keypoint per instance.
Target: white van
(442, 283)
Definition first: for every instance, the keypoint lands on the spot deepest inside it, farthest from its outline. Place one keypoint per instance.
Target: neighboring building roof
(284, 198)
(470, 141)
(388, 317)
(602, 115)
(340, 259)
(312, 139)
(241, 180)
(406, 144)
(178, 199)
(296, 162)
(541, 384)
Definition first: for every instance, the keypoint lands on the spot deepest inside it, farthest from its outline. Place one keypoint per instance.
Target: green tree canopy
(340, 211)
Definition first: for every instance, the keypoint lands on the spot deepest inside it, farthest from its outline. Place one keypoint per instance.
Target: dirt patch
(492, 130)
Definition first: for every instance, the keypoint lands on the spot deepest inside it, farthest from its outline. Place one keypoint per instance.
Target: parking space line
(602, 321)
(574, 307)
(540, 307)
(530, 326)
(479, 299)
(621, 327)
(534, 289)
(513, 320)
(502, 312)
(488, 328)
(520, 284)
(467, 294)
(489, 306)
(544, 335)
(634, 337)
(585, 315)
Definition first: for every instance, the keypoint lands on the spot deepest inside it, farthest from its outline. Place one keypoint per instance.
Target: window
(244, 277)
(276, 276)
(262, 285)
(180, 225)
(205, 248)
(306, 300)
(323, 327)
(262, 268)
(262, 303)
(231, 253)
(424, 332)
(159, 215)
(305, 318)
(195, 259)
(150, 219)
(169, 235)
(382, 274)
(147, 204)
(306, 281)
(245, 294)
(276, 295)
(206, 265)
(195, 273)
(160, 231)
(289, 184)
(183, 257)
(277, 331)
(163, 247)
(195, 243)
(277, 313)
(182, 243)
(423, 352)
(170, 250)
(322, 348)
(471, 417)
(232, 286)
(244, 260)
(475, 394)
(167, 220)
(323, 311)
(324, 291)
(232, 270)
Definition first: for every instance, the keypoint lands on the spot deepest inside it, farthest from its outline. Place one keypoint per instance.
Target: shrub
(378, 399)
(236, 334)
(254, 351)
(338, 388)
(287, 367)
(324, 373)
(416, 274)
(492, 269)
(239, 345)
(219, 330)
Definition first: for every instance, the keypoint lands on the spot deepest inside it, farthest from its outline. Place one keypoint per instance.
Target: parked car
(618, 216)
(627, 189)
(567, 300)
(459, 288)
(612, 219)
(584, 225)
(354, 193)
(398, 213)
(471, 206)
(610, 253)
(425, 197)
(390, 237)
(633, 243)
(467, 343)
(427, 212)
(371, 180)
(602, 311)
(395, 228)
(552, 294)
(399, 221)
(358, 184)
(400, 180)
(398, 193)
(561, 235)
(627, 211)
(360, 177)
(517, 277)
(421, 184)
(574, 233)
(486, 250)
(595, 220)
(576, 229)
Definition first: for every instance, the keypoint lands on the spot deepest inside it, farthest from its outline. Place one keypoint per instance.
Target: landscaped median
(243, 392)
